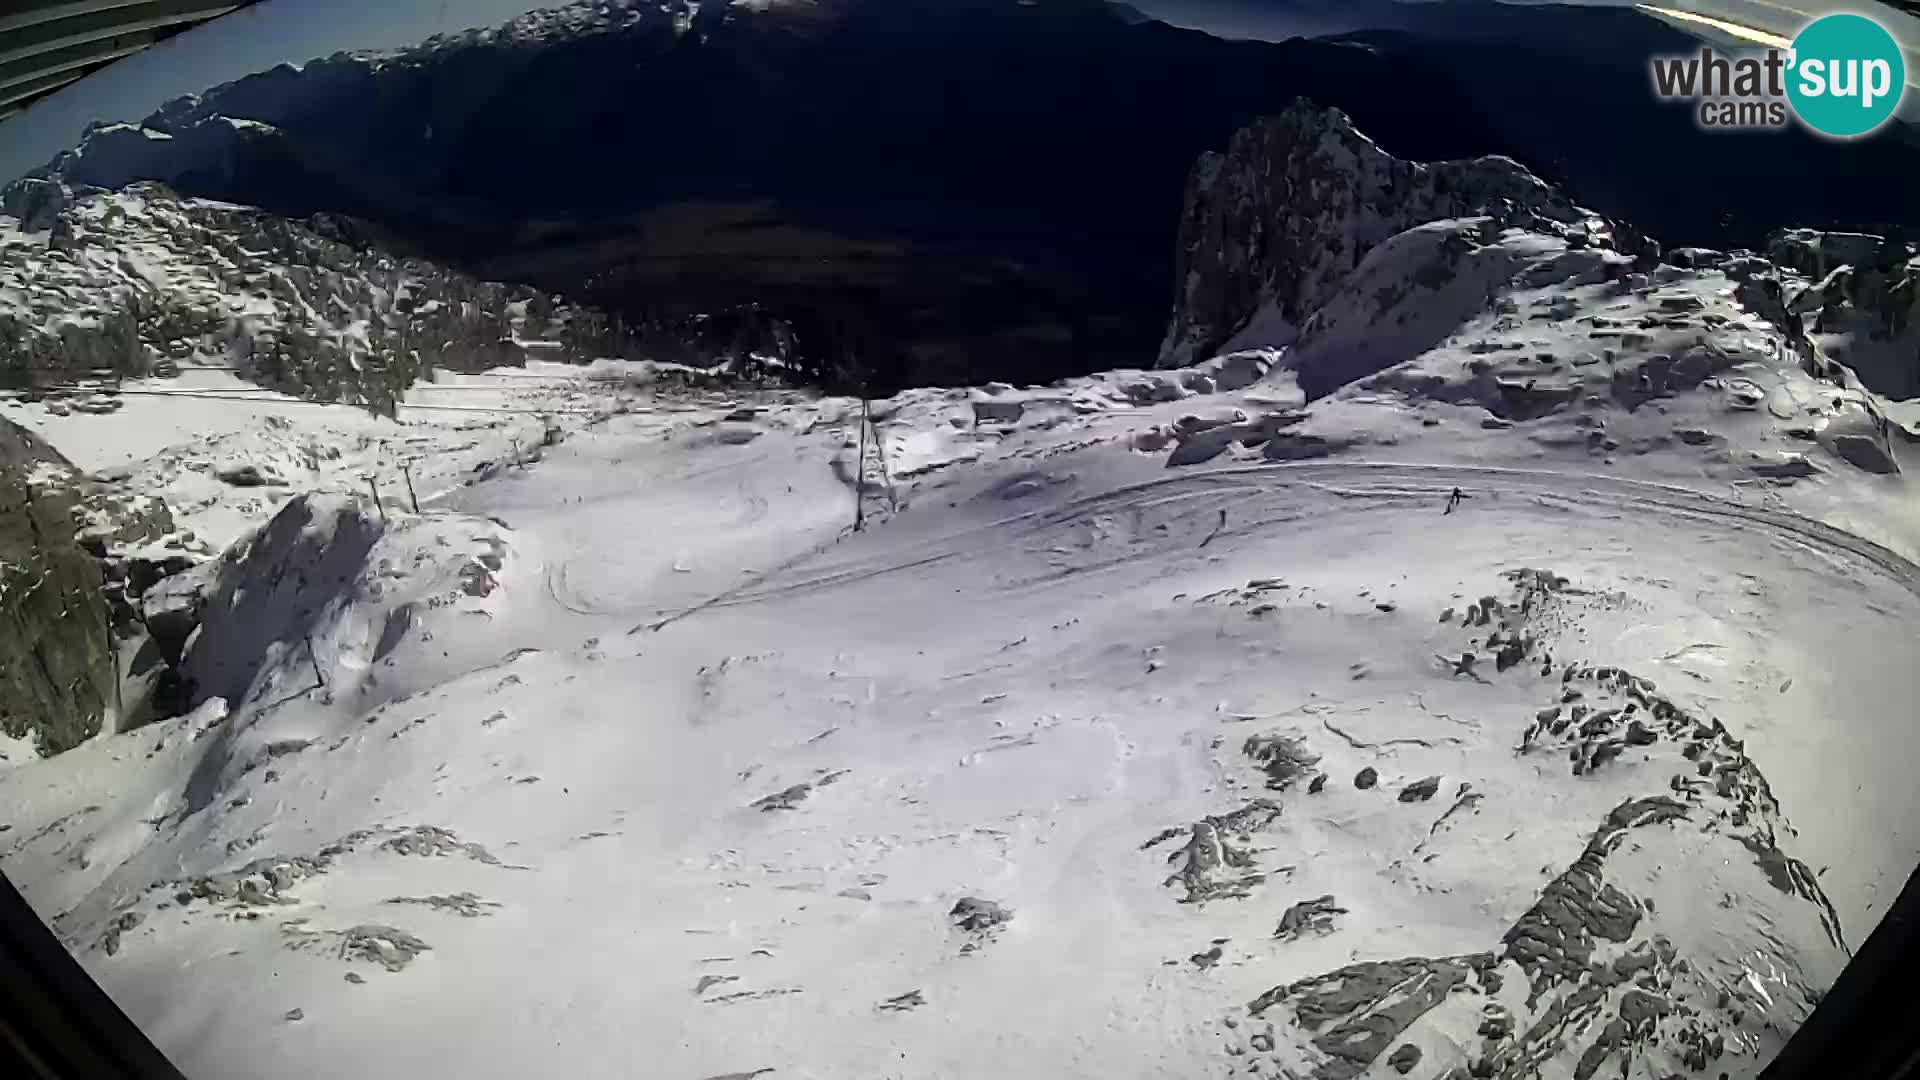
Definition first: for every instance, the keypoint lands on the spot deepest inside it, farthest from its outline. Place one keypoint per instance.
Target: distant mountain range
(988, 188)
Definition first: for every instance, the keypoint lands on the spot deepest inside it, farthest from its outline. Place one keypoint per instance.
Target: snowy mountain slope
(1304, 212)
(1296, 202)
(741, 776)
(115, 285)
(137, 280)
(186, 466)
(224, 454)
(1156, 723)
(1594, 352)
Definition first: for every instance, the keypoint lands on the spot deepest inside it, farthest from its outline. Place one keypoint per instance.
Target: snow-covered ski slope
(1156, 723)
(637, 761)
(224, 453)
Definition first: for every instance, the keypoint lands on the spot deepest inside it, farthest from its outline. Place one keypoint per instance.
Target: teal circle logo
(1846, 75)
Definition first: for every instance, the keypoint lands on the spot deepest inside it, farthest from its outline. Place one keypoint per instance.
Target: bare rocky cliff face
(56, 648)
(81, 562)
(1306, 237)
(1273, 226)
(1860, 300)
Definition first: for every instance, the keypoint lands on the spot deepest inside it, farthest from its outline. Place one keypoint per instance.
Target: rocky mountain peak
(1274, 224)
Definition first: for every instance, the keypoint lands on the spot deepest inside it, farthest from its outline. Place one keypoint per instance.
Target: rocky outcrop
(1860, 301)
(1273, 225)
(1607, 972)
(138, 281)
(1604, 981)
(35, 202)
(1310, 249)
(56, 647)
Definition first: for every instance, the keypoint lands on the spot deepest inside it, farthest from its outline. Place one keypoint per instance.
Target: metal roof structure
(46, 44)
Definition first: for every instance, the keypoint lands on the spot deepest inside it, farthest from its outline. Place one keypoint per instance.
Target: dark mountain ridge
(986, 188)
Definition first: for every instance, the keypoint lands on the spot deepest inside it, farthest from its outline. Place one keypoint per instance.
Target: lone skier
(1454, 500)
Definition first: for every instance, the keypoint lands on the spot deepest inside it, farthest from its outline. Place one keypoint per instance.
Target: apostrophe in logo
(1846, 75)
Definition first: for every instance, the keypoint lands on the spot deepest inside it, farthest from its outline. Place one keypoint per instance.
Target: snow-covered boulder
(327, 589)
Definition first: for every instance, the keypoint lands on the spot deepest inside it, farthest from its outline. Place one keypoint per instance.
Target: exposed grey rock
(1404, 1058)
(384, 945)
(1273, 224)
(998, 410)
(1217, 862)
(464, 904)
(1555, 939)
(1864, 305)
(1302, 447)
(790, 797)
(37, 202)
(1496, 1022)
(1239, 370)
(1693, 257)
(785, 799)
(1354, 1013)
(976, 916)
(1308, 916)
(1283, 758)
(1814, 253)
(1532, 398)
(56, 642)
(433, 841)
(1420, 790)
(1607, 992)
(171, 610)
(109, 942)
(1866, 452)
(1366, 778)
(248, 475)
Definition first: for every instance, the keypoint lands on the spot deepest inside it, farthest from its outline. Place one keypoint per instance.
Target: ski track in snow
(1394, 486)
(714, 770)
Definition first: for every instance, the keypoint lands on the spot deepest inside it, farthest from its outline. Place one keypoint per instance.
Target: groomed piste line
(1375, 480)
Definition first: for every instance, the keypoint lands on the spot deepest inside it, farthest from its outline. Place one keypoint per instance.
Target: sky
(252, 39)
(277, 31)
(1251, 18)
